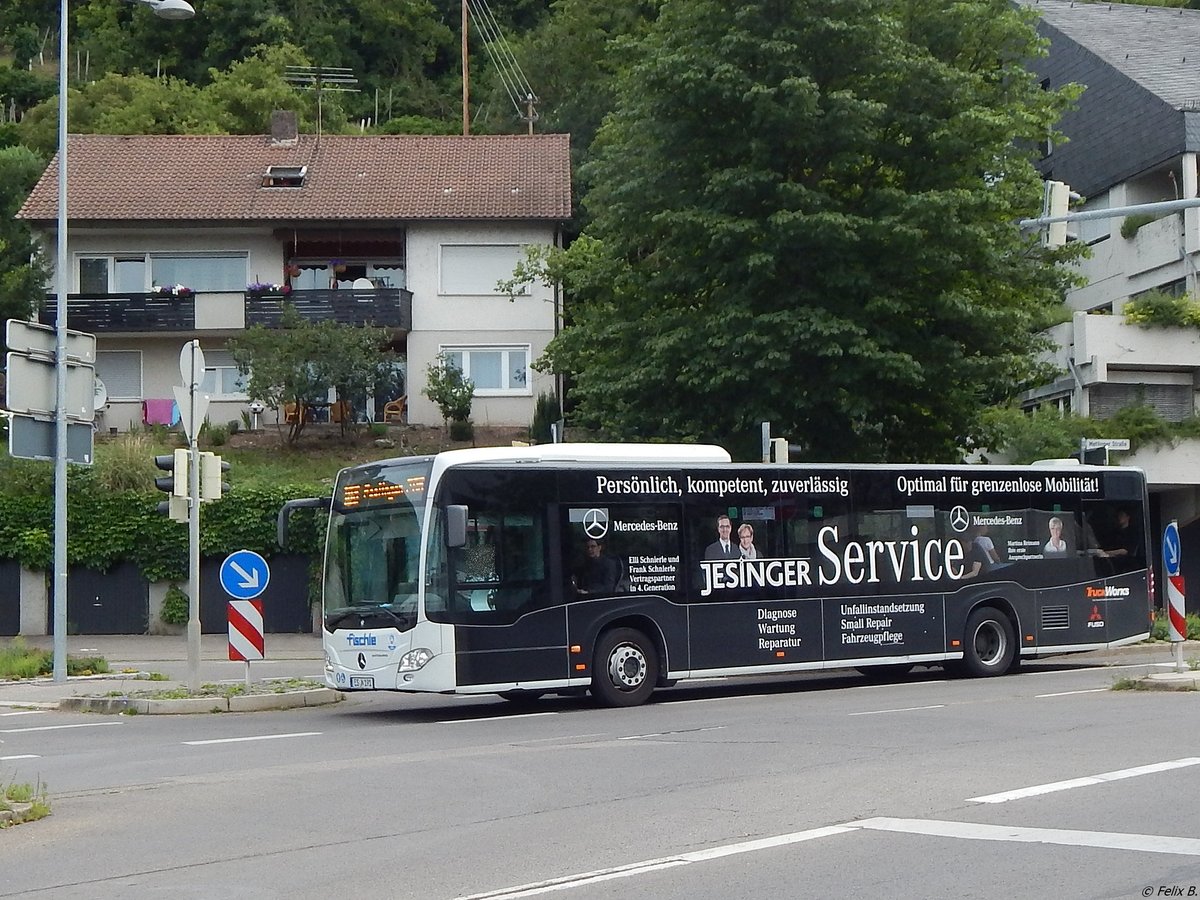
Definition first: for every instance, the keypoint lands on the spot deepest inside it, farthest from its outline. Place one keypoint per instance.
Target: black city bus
(568, 567)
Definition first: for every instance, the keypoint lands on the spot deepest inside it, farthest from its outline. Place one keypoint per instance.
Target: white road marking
(1072, 693)
(1038, 789)
(257, 737)
(24, 712)
(495, 718)
(971, 831)
(880, 712)
(23, 756)
(655, 865)
(58, 727)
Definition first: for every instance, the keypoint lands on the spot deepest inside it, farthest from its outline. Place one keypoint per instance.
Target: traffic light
(175, 484)
(211, 469)
(1057, 203)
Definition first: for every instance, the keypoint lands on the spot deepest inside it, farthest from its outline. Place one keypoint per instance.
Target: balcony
(99, 313)
(376, 307)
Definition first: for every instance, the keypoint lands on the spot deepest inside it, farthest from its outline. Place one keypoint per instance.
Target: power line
(516, 85)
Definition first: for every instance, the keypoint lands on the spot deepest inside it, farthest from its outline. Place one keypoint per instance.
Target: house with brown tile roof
(406, 232)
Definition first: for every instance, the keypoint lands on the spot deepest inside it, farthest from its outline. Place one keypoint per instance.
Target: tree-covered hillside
(800, 211)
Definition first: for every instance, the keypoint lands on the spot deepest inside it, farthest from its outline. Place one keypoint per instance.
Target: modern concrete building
(1133, 138)
(407, 233)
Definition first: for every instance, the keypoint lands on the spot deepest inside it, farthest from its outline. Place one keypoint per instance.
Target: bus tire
(625, 668)
(989, 644)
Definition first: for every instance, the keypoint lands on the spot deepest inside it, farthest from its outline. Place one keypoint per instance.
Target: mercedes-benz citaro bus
(619, 568)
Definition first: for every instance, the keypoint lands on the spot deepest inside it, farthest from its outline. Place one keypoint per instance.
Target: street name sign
(1106, 443)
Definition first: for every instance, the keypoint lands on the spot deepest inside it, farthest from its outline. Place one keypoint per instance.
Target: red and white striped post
(246, 632)
(1176, 620)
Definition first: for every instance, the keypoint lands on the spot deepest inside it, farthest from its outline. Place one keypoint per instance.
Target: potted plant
(173, 290)
(265, 288)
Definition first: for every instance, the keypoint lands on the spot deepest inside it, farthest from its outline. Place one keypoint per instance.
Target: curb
(193, 705)
(1171, 681)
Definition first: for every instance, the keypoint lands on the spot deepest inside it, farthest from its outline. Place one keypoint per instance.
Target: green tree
(300, 361)
(22, 273)
(449, 389)
(804, 213)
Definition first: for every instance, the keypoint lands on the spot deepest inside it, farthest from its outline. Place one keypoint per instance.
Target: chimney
(284, 127)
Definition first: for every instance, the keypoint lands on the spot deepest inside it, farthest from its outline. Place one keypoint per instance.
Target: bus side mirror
(456, 526)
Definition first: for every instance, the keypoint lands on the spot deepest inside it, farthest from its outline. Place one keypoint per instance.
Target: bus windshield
(372, 557)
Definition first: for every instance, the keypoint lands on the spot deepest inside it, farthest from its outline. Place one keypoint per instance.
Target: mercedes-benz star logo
(595, 523)
(362, 661)
(960, 519)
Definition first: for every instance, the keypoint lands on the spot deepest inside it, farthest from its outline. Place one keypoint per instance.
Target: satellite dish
(100, 396)
(363, 284)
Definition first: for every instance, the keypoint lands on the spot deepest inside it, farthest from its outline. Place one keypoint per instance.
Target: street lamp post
(167, 9)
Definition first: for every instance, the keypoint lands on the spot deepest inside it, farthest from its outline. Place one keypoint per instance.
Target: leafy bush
(447, 387)
(19, 660)
(1160, 632)
(462, 430)
(176, 608)
(1134, 223)
(1158, 310)
(215, 435)
(545, 414)
(1045, 434)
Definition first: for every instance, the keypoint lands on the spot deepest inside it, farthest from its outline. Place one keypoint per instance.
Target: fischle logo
(1103, 593)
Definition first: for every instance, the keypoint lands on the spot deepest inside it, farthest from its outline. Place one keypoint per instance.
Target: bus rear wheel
(625, 669)
(989, 644)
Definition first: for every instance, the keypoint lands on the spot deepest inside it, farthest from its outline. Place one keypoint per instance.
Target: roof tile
(360, 177)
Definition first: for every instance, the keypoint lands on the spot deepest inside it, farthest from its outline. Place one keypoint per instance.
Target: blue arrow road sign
(1171, 549)
(244, 574)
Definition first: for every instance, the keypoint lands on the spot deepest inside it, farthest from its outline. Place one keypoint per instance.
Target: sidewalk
(133, 657)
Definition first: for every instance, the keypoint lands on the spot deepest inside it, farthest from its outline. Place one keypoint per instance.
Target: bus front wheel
(625, 668)
(990, 645)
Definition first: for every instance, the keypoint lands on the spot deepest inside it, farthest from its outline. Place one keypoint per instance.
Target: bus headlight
(415, 659)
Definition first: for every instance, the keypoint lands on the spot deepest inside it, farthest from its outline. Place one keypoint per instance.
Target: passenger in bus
(1056, 546)
(723, 547)
(746, 548)
(978, 561)
(986, 544)
(1126, 548)
(599, 574)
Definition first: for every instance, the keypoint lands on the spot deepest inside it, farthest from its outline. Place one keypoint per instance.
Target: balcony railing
(95, 313)
(377, 307)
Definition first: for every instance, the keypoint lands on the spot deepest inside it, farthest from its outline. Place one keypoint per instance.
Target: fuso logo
(1095, 620)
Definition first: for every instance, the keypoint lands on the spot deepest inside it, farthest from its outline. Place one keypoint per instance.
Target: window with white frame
(496, 371)
(136, 273)
(121, 372)
(222, 380)
(476, 269)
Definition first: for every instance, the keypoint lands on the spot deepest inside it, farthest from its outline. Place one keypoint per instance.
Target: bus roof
(684, 454)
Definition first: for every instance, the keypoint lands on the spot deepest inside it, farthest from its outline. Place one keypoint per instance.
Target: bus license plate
(362, 681)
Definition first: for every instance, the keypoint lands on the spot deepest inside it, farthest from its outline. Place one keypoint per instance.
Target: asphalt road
(1043, 784)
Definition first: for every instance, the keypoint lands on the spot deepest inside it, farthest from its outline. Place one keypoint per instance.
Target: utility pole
(466, 100)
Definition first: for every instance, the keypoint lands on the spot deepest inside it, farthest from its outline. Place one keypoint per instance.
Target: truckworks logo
(1104, 593)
